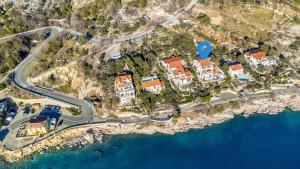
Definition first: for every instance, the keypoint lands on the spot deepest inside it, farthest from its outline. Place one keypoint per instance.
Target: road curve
(20, 80)
(19, 73)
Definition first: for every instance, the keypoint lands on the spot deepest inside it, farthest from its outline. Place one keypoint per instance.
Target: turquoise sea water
(258, 142)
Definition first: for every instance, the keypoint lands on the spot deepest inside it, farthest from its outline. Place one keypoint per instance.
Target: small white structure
(176, 72)
(115, 52)
(152, 84)
(124, 88)
(207, 71)
(257, 57)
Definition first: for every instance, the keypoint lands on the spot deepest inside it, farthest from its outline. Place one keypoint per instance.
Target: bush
(2, 86)
(203, 19)
(206, 98)
(74, 111)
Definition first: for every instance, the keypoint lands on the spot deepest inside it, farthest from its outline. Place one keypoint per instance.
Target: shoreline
(78, 137)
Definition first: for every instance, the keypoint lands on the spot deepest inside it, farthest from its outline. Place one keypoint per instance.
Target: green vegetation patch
(138, 3)
(2, 86)
(12, 53)
(74, 111)
(203, 19)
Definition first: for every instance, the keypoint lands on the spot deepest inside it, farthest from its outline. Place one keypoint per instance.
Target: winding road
(20, 80)
(19, 73)
(19, 77)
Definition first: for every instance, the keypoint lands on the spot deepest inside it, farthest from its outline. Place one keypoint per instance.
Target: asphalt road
(134, 37)
(20, 80)
(195, 106)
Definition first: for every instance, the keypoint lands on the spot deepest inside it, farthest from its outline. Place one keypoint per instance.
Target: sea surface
(257, 142)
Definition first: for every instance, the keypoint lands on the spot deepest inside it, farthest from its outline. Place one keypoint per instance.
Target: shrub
(203, 19)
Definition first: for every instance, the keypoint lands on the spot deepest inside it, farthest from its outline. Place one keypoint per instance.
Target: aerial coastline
(79, 136)
(169, 69)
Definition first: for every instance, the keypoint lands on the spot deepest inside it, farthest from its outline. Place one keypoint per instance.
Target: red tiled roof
(176, 63)
(259, 55)
(151, 83)
(188, 73)
(124, 77)
(216, 70)
(204, 63)
(174, 59)
(236, 67)
(121, 80)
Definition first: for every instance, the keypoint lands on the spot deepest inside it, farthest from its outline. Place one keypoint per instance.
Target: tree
(143, 3)
(261, 68)
(206, 98)
(82, 39)
(183, 43)
(2, 86)
(148, 101)
(203, 19)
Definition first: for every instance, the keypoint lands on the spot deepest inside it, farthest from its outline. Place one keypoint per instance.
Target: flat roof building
(37, 126)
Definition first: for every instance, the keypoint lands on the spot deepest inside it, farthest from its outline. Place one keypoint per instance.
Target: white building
(257, 57)
(176, 72)
(207, 71)
(152, 84)
(124, 88)
(235, 71)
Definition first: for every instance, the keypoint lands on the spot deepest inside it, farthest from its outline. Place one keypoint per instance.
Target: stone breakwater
(78, 137)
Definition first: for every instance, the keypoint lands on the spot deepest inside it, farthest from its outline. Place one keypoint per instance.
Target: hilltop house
(124, 88)
(152, 84)
(176, 72)
(207, 71)
(236, 71)
(258, 57)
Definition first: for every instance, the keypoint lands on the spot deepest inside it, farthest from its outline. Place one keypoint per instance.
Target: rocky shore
(69, 139)
(78, 137)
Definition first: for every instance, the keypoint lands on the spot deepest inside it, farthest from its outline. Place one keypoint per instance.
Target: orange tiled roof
(236, 67)
(124, 77)
(174, 59)
(176, 62)
(216, 70)
(121, 80)
(179, 70)
(259, 55)
(151, 83)
(188, 73)
(204, 63)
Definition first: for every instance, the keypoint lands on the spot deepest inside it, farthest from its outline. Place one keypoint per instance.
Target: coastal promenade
(247, 97)
(197, 107)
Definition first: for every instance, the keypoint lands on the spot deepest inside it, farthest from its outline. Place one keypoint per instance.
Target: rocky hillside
(98, 17)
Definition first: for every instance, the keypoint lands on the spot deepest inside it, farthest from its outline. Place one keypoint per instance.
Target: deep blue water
(258, 142)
